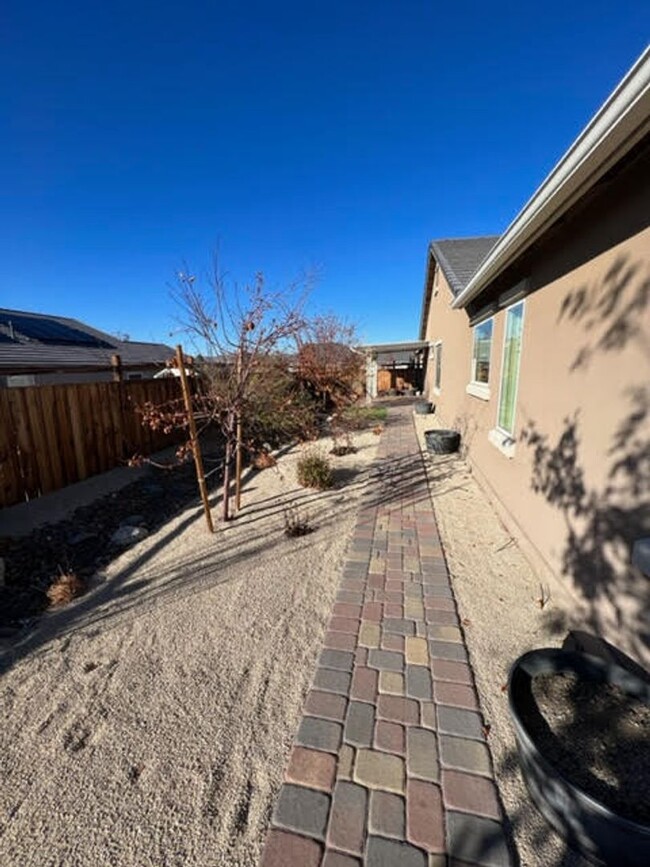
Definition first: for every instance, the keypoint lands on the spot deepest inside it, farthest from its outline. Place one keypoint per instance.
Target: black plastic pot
(442, 442)
(424, 407)
(587, 825)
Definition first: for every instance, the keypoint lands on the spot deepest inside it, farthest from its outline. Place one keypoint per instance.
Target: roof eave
(426, 295)
(620, 123)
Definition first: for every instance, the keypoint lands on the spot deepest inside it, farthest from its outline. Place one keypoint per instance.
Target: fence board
(66, 445)
(76, 424)
(102, 427)
(18, 424)
(36, 416)
(51, 438)
(54, 435)
(10, 475)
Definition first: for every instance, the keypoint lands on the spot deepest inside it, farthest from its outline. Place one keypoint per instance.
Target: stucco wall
(577, 485)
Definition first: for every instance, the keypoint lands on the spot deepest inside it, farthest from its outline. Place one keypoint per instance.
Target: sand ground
(149, 722)
(497, 591)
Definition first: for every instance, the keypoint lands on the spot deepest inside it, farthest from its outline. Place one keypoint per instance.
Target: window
(438, 368)
(481, 352)
(510, 368)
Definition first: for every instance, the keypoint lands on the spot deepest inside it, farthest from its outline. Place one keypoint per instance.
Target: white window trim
(504, 440)
(481, 390)
(478, 389)
(436, 389)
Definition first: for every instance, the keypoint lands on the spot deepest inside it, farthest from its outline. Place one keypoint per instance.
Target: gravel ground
(497, 591)
(149, 722)
(80, 541)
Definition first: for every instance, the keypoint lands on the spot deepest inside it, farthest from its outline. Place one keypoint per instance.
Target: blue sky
(343, 135)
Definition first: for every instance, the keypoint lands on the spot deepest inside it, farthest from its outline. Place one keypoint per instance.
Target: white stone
(128, 535)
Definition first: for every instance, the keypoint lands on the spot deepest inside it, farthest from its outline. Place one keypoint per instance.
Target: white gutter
(619, 124)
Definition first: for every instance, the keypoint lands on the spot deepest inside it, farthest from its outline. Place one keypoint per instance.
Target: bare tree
(245, 336)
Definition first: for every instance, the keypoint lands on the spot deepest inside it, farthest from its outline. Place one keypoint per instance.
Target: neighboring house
(38, 349)
(540, 355)
(394, 366)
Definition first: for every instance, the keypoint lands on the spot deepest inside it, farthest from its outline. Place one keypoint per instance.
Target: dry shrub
(341, 451)
(314, 471)
(378, 430)
(295, 525)
(66, 587)
(264, 460)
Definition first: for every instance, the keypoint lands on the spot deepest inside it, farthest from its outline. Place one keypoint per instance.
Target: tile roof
(460, 258)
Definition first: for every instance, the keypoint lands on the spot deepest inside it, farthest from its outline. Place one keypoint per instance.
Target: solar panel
(49, 331)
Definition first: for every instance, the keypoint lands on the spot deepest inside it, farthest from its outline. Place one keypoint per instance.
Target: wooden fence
(54, 435)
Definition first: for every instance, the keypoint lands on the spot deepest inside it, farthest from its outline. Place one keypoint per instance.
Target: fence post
(116, 365)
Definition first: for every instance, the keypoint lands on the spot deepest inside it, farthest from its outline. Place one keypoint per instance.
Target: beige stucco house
(539, 353)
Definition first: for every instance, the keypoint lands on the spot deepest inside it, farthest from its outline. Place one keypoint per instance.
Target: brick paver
(390, 766)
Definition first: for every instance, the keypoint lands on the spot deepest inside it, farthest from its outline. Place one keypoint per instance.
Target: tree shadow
(601, 524)
(603, 519)
(142, 582)
(467, 425)
(610, 311)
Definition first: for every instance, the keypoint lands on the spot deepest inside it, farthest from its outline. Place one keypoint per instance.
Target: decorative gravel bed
(150, 721)
(84, 542)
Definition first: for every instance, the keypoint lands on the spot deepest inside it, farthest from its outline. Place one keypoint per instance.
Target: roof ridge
(465, 238)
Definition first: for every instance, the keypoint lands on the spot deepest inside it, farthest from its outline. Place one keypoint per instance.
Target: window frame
(474, 386)
(500, 437)
(437, 366)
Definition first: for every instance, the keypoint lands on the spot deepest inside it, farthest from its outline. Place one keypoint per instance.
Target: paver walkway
(390, 765)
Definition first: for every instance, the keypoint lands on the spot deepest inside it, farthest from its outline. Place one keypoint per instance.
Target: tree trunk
(227, 469)
(226, 480)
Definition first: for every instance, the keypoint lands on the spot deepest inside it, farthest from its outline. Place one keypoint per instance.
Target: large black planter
(442, 442)
(589, 826)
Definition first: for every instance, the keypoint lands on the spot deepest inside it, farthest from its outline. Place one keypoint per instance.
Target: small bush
(64, 589)
(295, 525)
(341, 451)
(314, 471)
(342, 436)
(264, 460)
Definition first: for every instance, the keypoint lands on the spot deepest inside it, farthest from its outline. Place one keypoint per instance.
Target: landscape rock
(84, 542)
(127, 535)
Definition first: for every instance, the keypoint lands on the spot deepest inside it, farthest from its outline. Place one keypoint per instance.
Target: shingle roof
(18, 352)
(459, 258)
